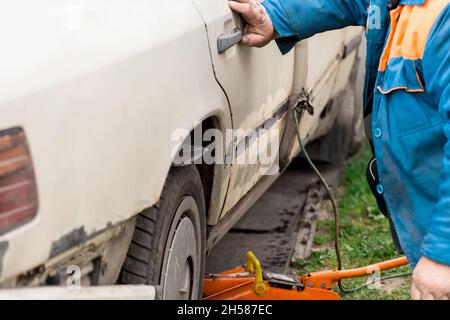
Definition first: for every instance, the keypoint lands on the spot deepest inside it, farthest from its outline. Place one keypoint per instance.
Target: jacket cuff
(286, 44)
(436, 248)
(280, 20)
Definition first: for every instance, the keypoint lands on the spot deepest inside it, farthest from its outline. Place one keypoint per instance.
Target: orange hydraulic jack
(251, 283)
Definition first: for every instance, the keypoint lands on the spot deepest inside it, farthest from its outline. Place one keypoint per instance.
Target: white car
(95, 97)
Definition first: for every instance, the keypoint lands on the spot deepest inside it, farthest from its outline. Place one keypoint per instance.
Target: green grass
(365, 235)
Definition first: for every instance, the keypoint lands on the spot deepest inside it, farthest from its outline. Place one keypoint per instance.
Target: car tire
(168, 245)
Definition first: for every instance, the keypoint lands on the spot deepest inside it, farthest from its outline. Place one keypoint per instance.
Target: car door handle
(226, 41)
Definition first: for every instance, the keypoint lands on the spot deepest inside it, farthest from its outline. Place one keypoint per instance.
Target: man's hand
(431, 281)
(259, 30)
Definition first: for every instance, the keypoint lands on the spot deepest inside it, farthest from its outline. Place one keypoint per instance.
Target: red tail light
(18, 194)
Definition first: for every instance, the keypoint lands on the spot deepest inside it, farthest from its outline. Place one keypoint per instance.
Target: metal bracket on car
(304, 102)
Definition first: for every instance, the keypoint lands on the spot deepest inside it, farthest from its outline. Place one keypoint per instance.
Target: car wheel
(168, 246)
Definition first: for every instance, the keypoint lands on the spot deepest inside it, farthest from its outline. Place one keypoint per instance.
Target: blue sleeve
(436, 68)
(295, 20)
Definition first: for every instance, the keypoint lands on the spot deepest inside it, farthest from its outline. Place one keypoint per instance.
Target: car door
(323, 59)
(256, 82)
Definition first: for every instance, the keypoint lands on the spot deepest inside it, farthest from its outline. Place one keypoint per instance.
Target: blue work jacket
(407, 87)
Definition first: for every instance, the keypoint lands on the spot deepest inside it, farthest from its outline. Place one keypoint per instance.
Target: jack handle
(326, 279)
(254, 266)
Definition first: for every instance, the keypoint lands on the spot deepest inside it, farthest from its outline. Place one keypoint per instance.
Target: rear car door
(256, 82)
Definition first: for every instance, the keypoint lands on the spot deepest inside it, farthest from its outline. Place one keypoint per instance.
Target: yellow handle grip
(254, 266)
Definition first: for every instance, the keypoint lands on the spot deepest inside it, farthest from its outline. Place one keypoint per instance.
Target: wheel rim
(181, 269)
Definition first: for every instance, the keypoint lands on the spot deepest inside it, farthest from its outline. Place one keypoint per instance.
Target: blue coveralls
(407, 85)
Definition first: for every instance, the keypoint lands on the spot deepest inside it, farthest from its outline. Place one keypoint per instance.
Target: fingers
(242, 8)
(415, 293)
(247, 8)
(259, 30)
(431, 280)
(427, 296)
(254, 40)
(442, 295)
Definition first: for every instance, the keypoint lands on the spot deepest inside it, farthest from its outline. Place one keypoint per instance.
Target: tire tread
(141, 266)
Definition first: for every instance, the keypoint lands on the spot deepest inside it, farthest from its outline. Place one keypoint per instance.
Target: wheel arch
(214, 176)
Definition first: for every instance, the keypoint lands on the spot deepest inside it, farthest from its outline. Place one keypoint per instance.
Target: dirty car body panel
(99, 88)
(95, 86)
